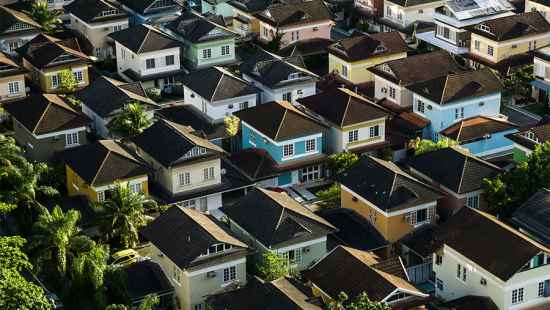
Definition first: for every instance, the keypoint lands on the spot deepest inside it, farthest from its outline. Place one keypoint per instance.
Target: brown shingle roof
(9, 17)
(507, 66)
(296, 13)
(470, 302)
(514, 26)
(6, 59)
(362, 46)
(306, 47)
(477, 126)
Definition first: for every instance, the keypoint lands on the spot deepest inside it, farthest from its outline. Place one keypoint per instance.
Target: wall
(138, 62)
(268, 94)
(301, 32)
(357, 71)
(497, 143)
(544, 10)
(6, 38)
(46, 77)
(255, 26)
(95, 32)
(504, 48)
(218, 109)
(403, 96)
(222, 8)
(4, 88)
(196, 51)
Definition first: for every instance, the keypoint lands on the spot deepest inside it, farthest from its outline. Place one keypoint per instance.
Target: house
(416, 258)
(82, 204)
(456, 97)
(192, 173)
(334, 81)
(391, 198)
(285, 79)
(538, 5)
(157, 13)
(274, 222)
(147, 277)
(199, 254)
(470, 302)
(208, 41)
(289, 136)
(280, 293)
(148, 55)
(541, 72)
(352, 56)
(95, 167)
(103, 99)
(12, 79)
(497, 39)
(522, 281)
(218, 92)
(96, 19)
(454, 18)
(45, 124)
(217, 7)
(392, 77)
(370, 9)
(525, 141)
(306, 47)
(45, 56)
(17, 29)
(402, 15)
(244, 21)
(381, 280)
(532, 217)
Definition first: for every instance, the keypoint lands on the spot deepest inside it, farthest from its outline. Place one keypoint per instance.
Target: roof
(354, 230)
(408, 122)
(275, 219)
(253, 6)
(15, 67)
(363, 272)
(392, 137)
(513, 27)
(105, 95)
(144, 38)
(410, 3)
(189, 115)
(47, 113)
(80, 203)
(88, 10)
(470, 302)
(463, 231)
(280, 293)
(104, 162)
(477, 126)
(306, 12)
(142, 6)
(306, 47)
(541, 52)
(9, 17)
(334, 81)
(457, 169)
(280, 120)
(418, 68)
(195, 28)
(144, 278)
(168, 143)
(217, 84)
(361, 46)
(385, 185)
(343, 107)
(541, 131)
(506, 66)
(467, 9)
(459, 86)
(416, 239)
(183, 235)
(534, 215)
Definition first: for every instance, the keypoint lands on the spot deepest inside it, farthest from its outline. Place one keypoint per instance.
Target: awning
(429, 37)
(243, 19)
(539, 84)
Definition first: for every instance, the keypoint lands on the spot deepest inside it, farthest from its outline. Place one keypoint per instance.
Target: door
(204, 204)
(542, 96)
(295, 177)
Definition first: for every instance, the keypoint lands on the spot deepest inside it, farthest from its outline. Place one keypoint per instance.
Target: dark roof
(253, 6)
(305, 12)
(280, 120)
(104, 95)
(104, 161)
(281, 293)
(276, 220)
(343, 107)
(408, 122)
(457, 169)
(16, 67)
(363, 46)
(506, 66)
(334, 81)
(354, 230)
(409, 3)
(541, 51)
(189, 115)
(416, 239)
(139, 77)
(541, 131)
(80, 203)
(513, 26)
(141, 6)
(144, 278)
(47, 113)
(484, 240)
(194, 28)
(168, 142)
(393, 188)
(88, 10)
(307, 47)
(459, 86)
(144, 38)
(216, 84)
(418, 68)
(470, 302)
(183, 235)
(477, 126)
(9, 17)
(534, 215)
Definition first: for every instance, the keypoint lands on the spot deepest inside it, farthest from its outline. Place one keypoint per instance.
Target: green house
(526, 140)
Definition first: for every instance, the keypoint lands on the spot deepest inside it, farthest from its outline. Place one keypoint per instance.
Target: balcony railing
(242, 31)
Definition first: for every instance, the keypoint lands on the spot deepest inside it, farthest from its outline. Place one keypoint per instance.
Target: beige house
(16, 29)
(12, 79)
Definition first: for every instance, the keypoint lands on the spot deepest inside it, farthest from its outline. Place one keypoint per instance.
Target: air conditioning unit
(230, 106)
(335, 71)
(384, 90)
(429, 107)
(211, 274)
(307, 249)
(299, 92)
(420, 11)
(56, 138)
(315, 29)
(483, 281)
(106, 28)
(407, 217)
(481, 103)
(514, 46)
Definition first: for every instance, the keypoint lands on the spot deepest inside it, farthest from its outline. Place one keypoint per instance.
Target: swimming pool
(428, 286)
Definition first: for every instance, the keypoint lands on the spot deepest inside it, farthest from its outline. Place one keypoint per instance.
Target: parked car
(56, 300)
(279, 190)
(123, 258)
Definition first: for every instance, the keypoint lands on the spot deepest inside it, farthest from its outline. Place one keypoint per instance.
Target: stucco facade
(296, 33)
(289, 93)
(12, 87)
(401, 95)
(96, 33)
(357, 71)
(43, 78)
(221, 108)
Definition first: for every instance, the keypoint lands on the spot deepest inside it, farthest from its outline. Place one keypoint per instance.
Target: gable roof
(253, 6)
(144, 278)
(477, 126)
(88, 10)
(513, 26)
(541, 132)
(168, 142)
(276, 220)
(194, 28)
(144, 38)
(9, 17)
(280, 120)
(385, 185)
(534, 215)
(294, 14)
(104, 161)
(306, 47)
(183, 235)
(343, 107)
(470, 302)
(416, 239)
(459, 86)
(361, 46)
(140, 6)
(16, 67)
(80, 203)
(484, 240)
(190, 115)
(47, 113)
(410, 3)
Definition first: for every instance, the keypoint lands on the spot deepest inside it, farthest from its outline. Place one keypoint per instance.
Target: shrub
(108, 64)
(177, 89)
(117, 76)
(153, 93)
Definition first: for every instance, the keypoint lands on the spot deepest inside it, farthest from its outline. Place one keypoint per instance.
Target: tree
(275, 43)
(131, 122)
(67, 80)
(10, 153)
(40, 14)
(362, 26)
(278, 266)
(147, 303)
(426, 146)
(339, 162)
(331, 196)
(362, 302)
(54, 176)
(496, 197)
(231, 127)
(546, 105)
(123, 214)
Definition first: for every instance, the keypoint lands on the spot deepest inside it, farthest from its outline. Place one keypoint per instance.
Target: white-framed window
(473, 201)
(100, 196)
(229, 274)
(292, 36)
(440, 30)
(421, 215)
(388, 10)
(135, 188)
(452, 35)
(206, 53)
(399, 14)
(208, 173)
(374, 131)
(189, 204)
(117, 28)
(252, 137)
(218, 247)
(310, 145)
(288, 150)
(170, 60)
(243, 105)
(205, 107)
(370, 214)
(353, 135)
(287, 97)
(517, 296)
(439, 284)
(78, 76)
(375, 214)
(98, 51)
(392, 93)
(420, 106)
(13, 87)
(380, 48)
(108, 12)
(266, 32)
(123, 54)
(490, 50)
(310, 173)
(13, 46)
(176, 274)
(198, 307)
(345, 71)
(56, 80)
(184, 178)
(393, 248)
(438, 260)
(19, 26)
(225, 50)
(294, 255)
(150, 63)
(540, 289)
(295, 75)
(529, 45)
(75, 180)
(72, 138)
(477, 45)
(459, 113)
(297, 35)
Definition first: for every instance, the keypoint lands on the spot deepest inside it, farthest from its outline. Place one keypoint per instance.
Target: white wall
(219, 108)
(403, 96)
(138, 62)
(277, 94)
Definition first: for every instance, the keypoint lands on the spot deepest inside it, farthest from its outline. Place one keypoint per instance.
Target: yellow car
(124, 257)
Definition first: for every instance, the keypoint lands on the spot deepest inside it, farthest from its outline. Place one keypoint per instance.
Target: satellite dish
(27, 89)
(286, 41)
(223, 171)
(194, 59)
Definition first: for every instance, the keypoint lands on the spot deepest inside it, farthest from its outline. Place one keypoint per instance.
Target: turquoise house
(157, 13)
(217, 7)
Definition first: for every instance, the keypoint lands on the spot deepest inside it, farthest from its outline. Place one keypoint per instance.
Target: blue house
(157, 13)
(281, 145)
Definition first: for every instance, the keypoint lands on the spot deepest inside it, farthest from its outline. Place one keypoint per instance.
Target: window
(374, 131)
(392, 93)
(297, 35)
(345, 71)
(218, 247)
(463, 273)
(439, 260)
(452, 35)
(208, 173)
(109, 11)
(534, 45)
(473, 201)
(421, 215)
(293, 36)
(375, 213)
(176, 274)
(490, 50)
(458, 270)
(440, 30)
(207, 53)
(170, 60)
(265, 32)
(198, 307)
(380, 48)
(150, 63)
(294, 255)
(135, 188)
(13, 46)
(310, 145)
(185, 178)
(393, 248)
(243, 105)
(229, 274)
(205, 107)
(19, 26)
(294, 75)
(98, 52)
(388, 10)
(540, 290)
(459, 113)
(287, 97)
(420, 106)
(252, 137)
(439, 284)
(72, 138)
(400, 15)
(13, 87)
(517, 296)
(75, 180)
(56, 80)
(288, 150)
(477, 45)
(189, 204)
(78, 76)
(529, 45)
(353, 136)
(117, 28)
(100, 196)
(225, 50)
(123, 54)
(310, 173)
(370, 214)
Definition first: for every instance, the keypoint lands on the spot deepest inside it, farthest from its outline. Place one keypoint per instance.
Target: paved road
(520, 119)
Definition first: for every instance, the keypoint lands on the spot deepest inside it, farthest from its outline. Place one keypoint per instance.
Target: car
(279, 190)
(56, 300)
(123, 258)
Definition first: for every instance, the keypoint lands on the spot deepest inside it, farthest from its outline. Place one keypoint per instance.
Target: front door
(542, 96)
(204, 204)
(295, 177)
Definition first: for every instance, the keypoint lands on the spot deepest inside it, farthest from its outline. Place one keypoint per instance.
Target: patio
(301, 194)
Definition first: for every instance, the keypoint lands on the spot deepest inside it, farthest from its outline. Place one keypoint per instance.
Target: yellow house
(94, 167)
(502, 43)
(12, 79)
(351, 57)
(46, 55)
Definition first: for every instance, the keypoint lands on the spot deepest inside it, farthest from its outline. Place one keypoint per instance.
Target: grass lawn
(314, 190)
(536, 108)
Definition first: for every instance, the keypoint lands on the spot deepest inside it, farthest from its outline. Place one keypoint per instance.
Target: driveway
(520, 118)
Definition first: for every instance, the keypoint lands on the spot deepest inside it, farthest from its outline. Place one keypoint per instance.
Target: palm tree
(131, 122)
(146, 303)
(10, 152)
(57, 233)
(40, 14)
(275, 43)
(123, 213)
(339, 162)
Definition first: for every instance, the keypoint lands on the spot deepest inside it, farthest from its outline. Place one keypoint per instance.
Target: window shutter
(547, 72)
(413, 218)
(431, 213)
(546, 288)
(157, 63)
(143, 65)
(162, 61)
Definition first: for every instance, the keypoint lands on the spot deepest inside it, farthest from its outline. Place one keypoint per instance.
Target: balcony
(244, 31)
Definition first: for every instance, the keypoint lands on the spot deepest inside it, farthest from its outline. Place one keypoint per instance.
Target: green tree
(362, 26)
(496, 197)
(278, 266)
(10, 153)
(339, 162)
(147, 303)
(362, 302)
(426, 146)
(68, 81)
(123, 214)
(40, 14)
(275, 43)
(54, 176)
(131, 122)
(331, 196)
(546, 104)
(231, 128)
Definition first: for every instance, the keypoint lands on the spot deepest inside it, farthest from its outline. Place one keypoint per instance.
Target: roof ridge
(260, 164)
(392, 189)
(462, 174)
(217, 86)
(102, 163)
(144, 39)
(278, 222)
(346, 111)
(444, 88)
(460, 128)
(42, 116)
(281, 123)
